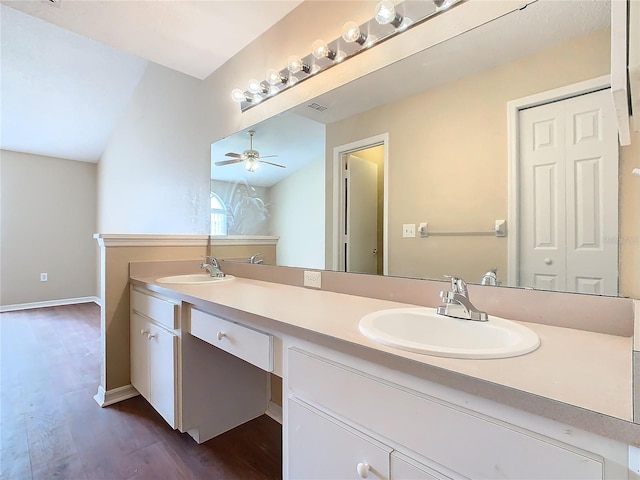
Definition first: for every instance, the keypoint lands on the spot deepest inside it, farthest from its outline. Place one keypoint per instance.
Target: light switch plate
(312, 279)
(408, 230)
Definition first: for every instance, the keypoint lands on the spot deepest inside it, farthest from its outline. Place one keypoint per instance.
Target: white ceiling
(295, 140)
(70, 68)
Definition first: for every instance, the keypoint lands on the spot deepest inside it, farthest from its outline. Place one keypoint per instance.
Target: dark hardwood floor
(52, 428)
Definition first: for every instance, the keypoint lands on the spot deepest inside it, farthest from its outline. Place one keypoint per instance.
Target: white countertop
(568, 366)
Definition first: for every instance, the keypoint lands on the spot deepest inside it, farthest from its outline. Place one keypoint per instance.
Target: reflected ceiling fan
(251, 157)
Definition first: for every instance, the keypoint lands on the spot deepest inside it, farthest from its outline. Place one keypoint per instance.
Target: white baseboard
(115, 395)
(49, 303)
(275, 411)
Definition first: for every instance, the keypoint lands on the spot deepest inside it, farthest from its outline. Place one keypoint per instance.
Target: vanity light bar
(389, 21)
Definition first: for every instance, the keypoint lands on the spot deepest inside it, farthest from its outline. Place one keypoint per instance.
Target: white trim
(106, 398)
(513, 174)
(619, 77)
(150, 240)
(382, 139)
(49, 303)
(274, 411)
(245, 240)
(154, 240)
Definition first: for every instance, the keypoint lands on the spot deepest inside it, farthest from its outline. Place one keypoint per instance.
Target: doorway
(567, 160)
(360, 213)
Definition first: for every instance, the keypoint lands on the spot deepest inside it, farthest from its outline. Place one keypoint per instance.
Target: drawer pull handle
(152, 335)
(221, 335)
(144, 332)
(363, 470)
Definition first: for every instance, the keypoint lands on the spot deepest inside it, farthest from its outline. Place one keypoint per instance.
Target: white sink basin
(194, 279)
(422, 330)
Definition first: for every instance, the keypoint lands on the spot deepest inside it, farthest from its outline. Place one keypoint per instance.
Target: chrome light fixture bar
(389, 20)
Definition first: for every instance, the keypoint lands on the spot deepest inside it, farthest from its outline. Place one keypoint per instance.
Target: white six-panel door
(569, 195)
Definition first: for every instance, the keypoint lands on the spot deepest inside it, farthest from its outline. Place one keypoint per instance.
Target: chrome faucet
(213, 267)
(490, 278)
(255, 258)
(457, 303)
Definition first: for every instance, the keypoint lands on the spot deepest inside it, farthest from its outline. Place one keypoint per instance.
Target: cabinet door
(163, 347)
(320, 447)
(139, 332)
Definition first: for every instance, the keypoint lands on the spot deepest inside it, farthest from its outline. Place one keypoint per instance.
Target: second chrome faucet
(457, 303)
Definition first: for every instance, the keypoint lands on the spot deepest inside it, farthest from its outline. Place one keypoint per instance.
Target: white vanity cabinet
(154, 352)
(321, 448)
(425, 436)
(204, 374)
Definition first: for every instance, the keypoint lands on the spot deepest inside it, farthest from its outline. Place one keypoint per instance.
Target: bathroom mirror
(439, 121)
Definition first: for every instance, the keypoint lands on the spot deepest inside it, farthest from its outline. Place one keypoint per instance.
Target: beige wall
(115, 292)
(448, 157)
(48, 217)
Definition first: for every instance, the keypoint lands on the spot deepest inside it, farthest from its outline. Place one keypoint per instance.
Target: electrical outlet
(409, 230)
(312, 279)
(44, 277)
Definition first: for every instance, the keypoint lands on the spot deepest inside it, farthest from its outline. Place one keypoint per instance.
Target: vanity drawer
(463, 441)
(250, 345)
(161, 311)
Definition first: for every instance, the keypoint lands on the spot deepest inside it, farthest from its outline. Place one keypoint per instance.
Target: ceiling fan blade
(274, 164)
(234, 155)
(228, 162)
(267, 156)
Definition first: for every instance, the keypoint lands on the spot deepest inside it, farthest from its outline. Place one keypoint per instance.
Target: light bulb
(238, 95)
(251, 165)
(254, 86)
(320, 49)
(385, 12)
(274, 77)
(295, 65)
(351, 33)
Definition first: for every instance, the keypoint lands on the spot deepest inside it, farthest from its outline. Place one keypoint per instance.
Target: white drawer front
(250, 345)
(162, 311)
(321, 448)
(467, 443)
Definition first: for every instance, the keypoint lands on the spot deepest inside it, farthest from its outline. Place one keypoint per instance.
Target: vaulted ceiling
(69, 68)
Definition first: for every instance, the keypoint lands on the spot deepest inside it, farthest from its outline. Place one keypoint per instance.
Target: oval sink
(193, 279)
(422, 330)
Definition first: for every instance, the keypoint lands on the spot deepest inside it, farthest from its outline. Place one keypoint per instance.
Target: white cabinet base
(219, 390)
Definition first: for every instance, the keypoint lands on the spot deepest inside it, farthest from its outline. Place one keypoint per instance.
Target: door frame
(513, 159)
(338, 195)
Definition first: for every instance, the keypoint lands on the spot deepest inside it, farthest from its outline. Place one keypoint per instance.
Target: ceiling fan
(251, 157)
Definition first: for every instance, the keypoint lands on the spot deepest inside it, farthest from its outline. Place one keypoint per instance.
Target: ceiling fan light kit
(388, 21)
(251, 158)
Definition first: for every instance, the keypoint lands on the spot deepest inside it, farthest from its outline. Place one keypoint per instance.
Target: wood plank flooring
(52, 428)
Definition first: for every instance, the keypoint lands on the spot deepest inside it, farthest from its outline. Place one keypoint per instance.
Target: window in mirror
(218, 216)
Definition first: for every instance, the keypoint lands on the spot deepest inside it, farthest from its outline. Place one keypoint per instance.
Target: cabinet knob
(548, 261)
(152, 335)
(221, 335)
(144, 332)
(363, 470)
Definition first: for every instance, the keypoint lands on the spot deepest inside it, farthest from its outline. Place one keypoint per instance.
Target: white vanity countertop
(569, 366)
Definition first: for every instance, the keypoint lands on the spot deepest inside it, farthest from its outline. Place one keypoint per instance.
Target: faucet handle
(212, 260)
(458, 285)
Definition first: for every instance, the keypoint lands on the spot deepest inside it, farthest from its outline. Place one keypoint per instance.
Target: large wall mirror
(492, 156)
